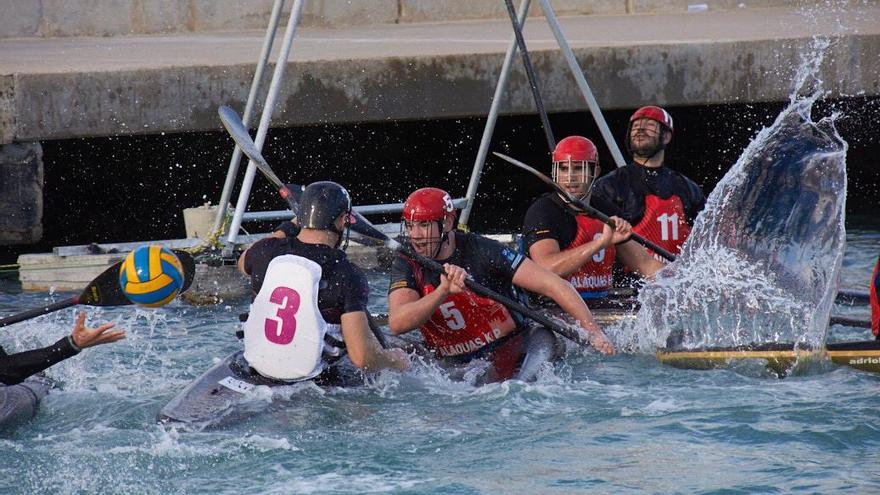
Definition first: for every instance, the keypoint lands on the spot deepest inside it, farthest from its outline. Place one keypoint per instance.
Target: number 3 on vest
(288, 300)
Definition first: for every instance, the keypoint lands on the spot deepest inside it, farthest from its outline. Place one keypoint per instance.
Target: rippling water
(622, 424)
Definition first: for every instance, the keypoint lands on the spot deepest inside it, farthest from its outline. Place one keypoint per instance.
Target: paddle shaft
(42, 310)
(530, 74)
(589, 210)
(849, 322)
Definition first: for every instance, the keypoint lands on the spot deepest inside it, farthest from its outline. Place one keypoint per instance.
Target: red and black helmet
(576, 149)
(428, 204)
(654, 113)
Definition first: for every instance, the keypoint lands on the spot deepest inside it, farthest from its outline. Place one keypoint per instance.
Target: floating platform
(70, 268)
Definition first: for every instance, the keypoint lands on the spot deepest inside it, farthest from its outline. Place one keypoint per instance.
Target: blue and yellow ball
(151, 276)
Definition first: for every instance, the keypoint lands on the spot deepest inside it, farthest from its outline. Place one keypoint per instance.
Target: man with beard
(563, 239)
(459, 325)
(660, 203)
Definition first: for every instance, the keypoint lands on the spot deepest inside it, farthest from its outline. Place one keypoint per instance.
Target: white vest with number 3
(284, 332)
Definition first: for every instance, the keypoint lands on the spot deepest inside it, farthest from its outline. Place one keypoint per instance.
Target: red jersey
(664, 223)
(465, 323)
(593, 278)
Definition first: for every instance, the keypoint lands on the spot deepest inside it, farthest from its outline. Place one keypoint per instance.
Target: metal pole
(274, 88)
(490, 122)
(530, 74)
(582, 82)
(248, 110)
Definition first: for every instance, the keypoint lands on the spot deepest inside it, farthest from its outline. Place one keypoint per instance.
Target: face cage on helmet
(660, 136)
(344, 234)
(405, 237)
(588, 172)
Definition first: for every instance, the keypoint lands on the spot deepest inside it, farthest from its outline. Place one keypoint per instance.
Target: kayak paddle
(104, 290)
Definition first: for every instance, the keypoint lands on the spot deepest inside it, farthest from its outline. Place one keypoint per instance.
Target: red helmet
(576, 149)
(653, 113)
(427, 204)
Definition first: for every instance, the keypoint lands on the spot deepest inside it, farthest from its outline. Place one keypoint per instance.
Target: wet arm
(14, 368)
(364, 350)
(547, 254)
(638, 259)
(532, 277)
(407, 311)
(241, 264)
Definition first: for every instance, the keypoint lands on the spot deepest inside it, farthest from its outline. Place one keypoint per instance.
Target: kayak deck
(862, 355)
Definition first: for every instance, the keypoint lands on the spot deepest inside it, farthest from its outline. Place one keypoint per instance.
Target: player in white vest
(310, 299)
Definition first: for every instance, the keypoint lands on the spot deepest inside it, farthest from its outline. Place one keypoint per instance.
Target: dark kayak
(862, 355)
(18, 403)
(228, 392)
(223, 394)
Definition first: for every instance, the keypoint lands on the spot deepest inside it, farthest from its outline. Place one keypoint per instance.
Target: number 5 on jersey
(453, 317)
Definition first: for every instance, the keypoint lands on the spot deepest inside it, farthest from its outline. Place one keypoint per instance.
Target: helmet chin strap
(343, 234)
(444, 236)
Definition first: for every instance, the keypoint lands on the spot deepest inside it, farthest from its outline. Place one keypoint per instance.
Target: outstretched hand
(601, 343)
(87, 337)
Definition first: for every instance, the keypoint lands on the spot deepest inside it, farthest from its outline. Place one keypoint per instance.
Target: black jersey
(488, 262)
(343, 288)
(550, 218)
(627, 187)
(14, 368)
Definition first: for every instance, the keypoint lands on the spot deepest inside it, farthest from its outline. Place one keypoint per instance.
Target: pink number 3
(288, 299)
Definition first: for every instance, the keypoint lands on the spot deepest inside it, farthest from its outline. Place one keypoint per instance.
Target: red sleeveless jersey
(594, 276)
(664, 223)
(875, 304)
(465, 323)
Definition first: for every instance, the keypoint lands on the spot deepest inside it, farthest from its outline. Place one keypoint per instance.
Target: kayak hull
(228, 390)
(19, 403)
(862, 355)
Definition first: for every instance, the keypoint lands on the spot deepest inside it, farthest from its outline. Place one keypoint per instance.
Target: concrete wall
(63, 18)
(59, 106)
(21, 193)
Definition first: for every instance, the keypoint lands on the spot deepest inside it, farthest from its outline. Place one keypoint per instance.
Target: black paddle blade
(239, 133)
(189, 268)
(105, 290)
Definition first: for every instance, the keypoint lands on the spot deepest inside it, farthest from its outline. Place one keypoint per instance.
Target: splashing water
(762, 261)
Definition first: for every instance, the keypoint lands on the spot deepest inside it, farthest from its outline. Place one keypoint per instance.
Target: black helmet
(321, 204)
